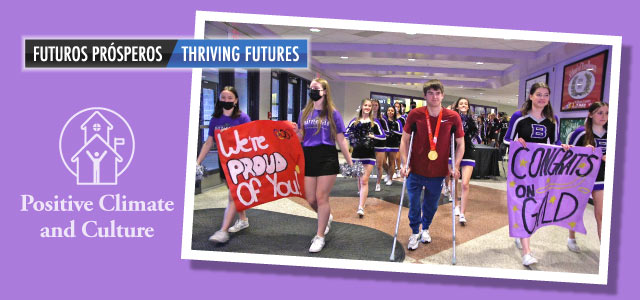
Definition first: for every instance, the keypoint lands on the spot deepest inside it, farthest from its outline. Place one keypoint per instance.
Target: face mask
(227, 105)
(314, 95)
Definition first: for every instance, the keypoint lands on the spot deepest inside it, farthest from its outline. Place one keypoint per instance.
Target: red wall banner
(583, 82)
(262, 161)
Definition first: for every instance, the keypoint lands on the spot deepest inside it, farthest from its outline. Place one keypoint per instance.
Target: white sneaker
(425, 237)
(239, 225)
(220, 237)
(317, 243)
(463, 220)
(377, 187)
(360, 212)
(445, 191)
(387, 178)
(389, 183)
(518, 243)
(528, 260)
(326, 230)
(413, 241)
(457, 210)
(573, 245)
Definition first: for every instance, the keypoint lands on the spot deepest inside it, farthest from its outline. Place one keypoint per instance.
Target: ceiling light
(424, 76)
(479, 63)
(344, 57)
(412, 59)
(315, 30)
(481, 93)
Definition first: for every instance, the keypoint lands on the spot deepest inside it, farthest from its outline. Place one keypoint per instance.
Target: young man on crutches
(429, 158)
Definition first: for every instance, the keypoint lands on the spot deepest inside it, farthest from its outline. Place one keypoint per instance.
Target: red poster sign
(262, 161)
(583, 82)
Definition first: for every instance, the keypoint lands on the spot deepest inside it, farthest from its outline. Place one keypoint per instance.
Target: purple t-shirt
(324, 136)
(226, 122)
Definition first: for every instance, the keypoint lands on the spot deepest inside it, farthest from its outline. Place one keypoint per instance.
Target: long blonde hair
(327, 110)
(359, 115)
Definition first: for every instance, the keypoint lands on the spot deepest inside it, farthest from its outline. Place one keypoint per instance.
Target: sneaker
(463, 220)
(528, 260)
(457, 210)
(413, 241)
(220, 237)
(425, 237)
(360, 212)
(518, 243)
(326, 230)
(390, 182)
(573, 245)
(239, 225)
(317, 243)
(387, 178)
(445, 191)
(377, 187)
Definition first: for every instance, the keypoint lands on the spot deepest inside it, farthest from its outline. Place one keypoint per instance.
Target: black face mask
(227, 105)
(314, 95)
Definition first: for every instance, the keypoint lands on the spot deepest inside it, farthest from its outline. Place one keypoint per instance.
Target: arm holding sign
(205, 149)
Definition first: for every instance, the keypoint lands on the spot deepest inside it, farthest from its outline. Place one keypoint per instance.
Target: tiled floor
(494, 248)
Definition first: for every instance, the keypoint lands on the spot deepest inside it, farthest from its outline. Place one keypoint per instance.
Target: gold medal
(432, 155)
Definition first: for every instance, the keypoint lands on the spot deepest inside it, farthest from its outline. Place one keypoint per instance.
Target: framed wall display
(531, 81)
(568, 125)
(583, 82)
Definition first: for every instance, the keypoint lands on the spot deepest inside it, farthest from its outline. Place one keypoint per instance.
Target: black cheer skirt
(321, 160)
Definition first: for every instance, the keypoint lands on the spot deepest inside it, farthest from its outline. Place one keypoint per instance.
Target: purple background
(35, 106)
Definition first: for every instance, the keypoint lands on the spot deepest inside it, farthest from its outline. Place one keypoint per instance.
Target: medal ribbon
(433, 138)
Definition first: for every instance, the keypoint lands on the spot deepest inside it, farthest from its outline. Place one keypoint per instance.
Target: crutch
(404, 184)
(453, 193)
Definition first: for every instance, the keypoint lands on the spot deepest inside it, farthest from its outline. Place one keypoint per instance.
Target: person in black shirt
(468, 160)
(534, 123)
(593, 134)
(363, 131)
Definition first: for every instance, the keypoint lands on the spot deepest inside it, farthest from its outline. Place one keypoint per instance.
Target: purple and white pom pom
(352, 171)
(200, 172)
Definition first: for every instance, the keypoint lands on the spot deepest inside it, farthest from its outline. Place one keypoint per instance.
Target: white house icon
(97, 160)
(99, 125)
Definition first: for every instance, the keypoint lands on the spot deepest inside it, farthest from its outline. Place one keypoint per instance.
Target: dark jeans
(432, 187)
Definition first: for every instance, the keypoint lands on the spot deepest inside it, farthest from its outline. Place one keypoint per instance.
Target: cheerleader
(536, 113)
(320, 127)
(468, 160)
(226, 114)
(493, 128)
(593, 134)
(379, 144)
(362, 131)
(481, 129)
(394, 135)
(403, 120)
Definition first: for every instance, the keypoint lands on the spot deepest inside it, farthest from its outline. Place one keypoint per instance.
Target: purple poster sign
(547, 185)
